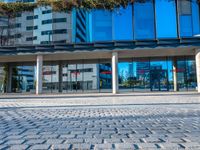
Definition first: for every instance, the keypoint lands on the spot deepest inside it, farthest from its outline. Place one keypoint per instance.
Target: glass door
(159, 76)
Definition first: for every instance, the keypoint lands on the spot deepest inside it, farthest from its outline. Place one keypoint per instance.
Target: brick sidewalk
(103, 127)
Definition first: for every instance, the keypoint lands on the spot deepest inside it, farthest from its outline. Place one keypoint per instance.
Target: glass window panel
(182, 74)
(2, 80)
(72, 78)
(65, 78)
(185, 25)
(47, 79)
(79, 75)
(188, 18)
(125, 74)
(123, 24)
(91, 77)
(170, 74)
(191, 74)
(195, 18)
(144, 20)
(159, 75)
(184, 7)
(167, 27)
(105, 77)
(23, 79)
(101, 25)
(55, 80)
(141, 75)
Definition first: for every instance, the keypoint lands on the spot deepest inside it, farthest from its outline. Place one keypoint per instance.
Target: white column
(115, 73)
(60, 77)
(198, 69)
(39, 74)
(9, 79)
(175, 75)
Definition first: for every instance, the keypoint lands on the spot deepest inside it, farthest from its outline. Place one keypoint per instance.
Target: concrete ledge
(100, 99)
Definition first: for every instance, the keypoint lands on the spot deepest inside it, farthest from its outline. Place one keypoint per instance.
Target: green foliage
(11, 9)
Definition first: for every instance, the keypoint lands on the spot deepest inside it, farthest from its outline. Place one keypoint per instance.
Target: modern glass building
(148, 46)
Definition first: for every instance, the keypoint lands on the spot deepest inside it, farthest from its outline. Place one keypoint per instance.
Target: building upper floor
(151, 19)
(147, 20)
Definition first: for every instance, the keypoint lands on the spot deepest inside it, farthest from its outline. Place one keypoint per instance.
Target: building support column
(198, 69)
(39, 74)
(115, 73)
(175, 75)
(60, 77)
(9, 79)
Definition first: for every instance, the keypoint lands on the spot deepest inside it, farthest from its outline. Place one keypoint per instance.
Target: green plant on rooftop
(62, 5)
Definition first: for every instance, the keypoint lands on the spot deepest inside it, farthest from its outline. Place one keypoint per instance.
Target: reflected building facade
(153, 61)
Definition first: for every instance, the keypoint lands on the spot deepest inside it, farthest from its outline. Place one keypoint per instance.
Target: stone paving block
(52, 136)
(14, 142)
(32, 136)
(74, 141)
(172, 140)
(14, 137)
(18, 147)
(168, 146)
(39, 147)
(82, 146)
(2, 147)
(152, 140)
(94, 141)
(67, 136)
(60, 147)
(123, 146)
(103, 146)
(54, 141)
(34, 141)
(113, 140)
(191, 145)
(145, 146)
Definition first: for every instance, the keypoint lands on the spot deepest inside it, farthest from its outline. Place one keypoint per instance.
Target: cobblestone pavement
(161, 126)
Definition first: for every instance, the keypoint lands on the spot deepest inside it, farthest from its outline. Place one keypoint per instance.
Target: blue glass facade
(166, 24)
(144, 21)
(123, 27)
(153, 19)
(102, 25)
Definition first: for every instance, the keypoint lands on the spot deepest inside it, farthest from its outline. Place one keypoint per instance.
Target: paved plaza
(35, 123)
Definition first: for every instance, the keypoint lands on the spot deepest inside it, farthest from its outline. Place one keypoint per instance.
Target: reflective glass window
(144, 20)
(2, 79)
(105, 76)
(141, 75)
(182, 74)
(125, 75)
(101, 25)
(159, 75)
(166, 26)
(23, 79)
(65, 77)
(90, 78)
(188, 18)
(191, 74)
(50, 78)
(123, 23)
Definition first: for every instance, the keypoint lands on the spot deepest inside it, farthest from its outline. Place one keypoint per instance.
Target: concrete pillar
(39, 74)
(198, 69)
(60, 77)
(9, 79)
(115, 73)
(175, 74)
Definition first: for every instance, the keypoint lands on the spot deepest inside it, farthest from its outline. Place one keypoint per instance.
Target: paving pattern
(173, 126)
